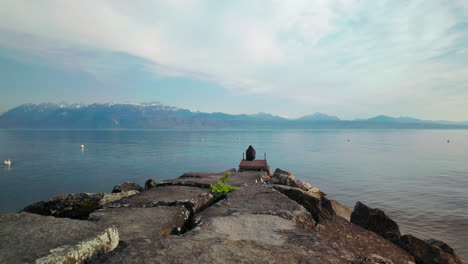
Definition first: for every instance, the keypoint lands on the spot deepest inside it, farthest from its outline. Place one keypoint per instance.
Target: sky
(348, 58)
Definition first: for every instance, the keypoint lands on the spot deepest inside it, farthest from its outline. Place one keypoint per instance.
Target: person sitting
(250, 153)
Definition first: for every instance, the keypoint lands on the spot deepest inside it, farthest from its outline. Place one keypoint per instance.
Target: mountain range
(157, 116)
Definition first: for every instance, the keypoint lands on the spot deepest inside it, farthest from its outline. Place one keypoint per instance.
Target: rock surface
(180, 221)
(430, 251)
(335, 208)
(255, 238)
(28, 238)
(77, 206)
(262, 224)
(191, 197)
(204, 180)
(127, 186)
(310, 201)
(259, 199)
(284, 178)
(143, 222)
(373, 259)
(375, 220)
(340, 233)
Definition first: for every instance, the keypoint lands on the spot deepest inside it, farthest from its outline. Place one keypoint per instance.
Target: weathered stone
(373, 259)
(150, 183)
(127, 186)
(247, 238)
(284, 178)
(143, 222)
(231, 170)
(335, 208)
(430, 251)
(28, 238)
(279, 171)
(77, 206)
(214, 250)
(310, 201)
(193, 198)
(316, 191)
(374, 220)
(255, 227)
(340, 233)
(204, 180)
(436, 243)
(259, 199)
(254, 238)
(303, 185)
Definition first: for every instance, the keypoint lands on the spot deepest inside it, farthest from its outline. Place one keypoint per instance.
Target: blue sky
(353, 59)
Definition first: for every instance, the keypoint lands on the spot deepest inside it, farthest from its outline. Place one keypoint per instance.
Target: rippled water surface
(416, 176)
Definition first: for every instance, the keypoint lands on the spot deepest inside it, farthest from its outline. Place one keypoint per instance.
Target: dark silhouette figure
(250, 153)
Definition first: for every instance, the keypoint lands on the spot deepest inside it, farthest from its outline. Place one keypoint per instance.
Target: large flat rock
(149, 222)
(254, 227)
(245, 238)
(204, 180)
(258, 224)
(340, 233)
(75, 205)
(28, 238)
(214, 250)
(259, 199)
(193, 198)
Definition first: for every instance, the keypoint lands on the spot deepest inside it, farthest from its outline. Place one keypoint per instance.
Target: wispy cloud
(368, 56)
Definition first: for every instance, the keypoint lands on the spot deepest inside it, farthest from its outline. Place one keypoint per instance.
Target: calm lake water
(415, 176)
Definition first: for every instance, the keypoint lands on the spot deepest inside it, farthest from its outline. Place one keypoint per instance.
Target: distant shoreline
(232, 129)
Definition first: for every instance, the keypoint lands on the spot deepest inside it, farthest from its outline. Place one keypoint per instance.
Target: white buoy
(82, 146)
(7, 162)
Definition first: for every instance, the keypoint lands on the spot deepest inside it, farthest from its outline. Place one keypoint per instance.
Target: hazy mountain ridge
(155, 115)
(318, 117)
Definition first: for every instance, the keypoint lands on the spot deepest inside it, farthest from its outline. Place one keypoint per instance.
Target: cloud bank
(394, 57)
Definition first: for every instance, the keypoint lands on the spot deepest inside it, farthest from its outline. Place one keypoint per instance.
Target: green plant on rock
(226, 177)
(221, 189)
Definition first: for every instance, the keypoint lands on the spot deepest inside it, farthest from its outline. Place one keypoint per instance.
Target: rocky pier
(263, 219)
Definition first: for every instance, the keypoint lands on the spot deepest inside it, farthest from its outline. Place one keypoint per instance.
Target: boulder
(77, 206)
(303, 185)
(317, 191)
(31, 238)
(340, 233)
(284, 178)
(375, 220)
(193, 198)
(127, 186)
(143, 222)
(335, 208)
(310, 201)
(258, 199)
(373, 259)
(150, 183)
(231, 170)
(430, 251)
